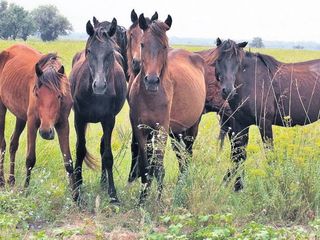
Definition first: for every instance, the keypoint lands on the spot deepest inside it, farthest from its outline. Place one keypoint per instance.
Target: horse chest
(95, 109)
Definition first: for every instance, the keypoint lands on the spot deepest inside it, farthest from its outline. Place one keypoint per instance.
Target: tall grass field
(281, 198)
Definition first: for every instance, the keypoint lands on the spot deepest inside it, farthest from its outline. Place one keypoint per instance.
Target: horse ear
(39, 71)
(89, 29)
(242, 45)
(134, 16)
(95, 21)
(218, 42)
(155, 16)
(168, 21)
(142, 22)
(61, 70)
(113, 27)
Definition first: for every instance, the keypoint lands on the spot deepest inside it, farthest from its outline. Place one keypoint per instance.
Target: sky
(278, 20)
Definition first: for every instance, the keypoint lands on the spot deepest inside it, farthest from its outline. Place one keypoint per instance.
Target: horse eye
(59, 97)
(88, 51)
(142, 45)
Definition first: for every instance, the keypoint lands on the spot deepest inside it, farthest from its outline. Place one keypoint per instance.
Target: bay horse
(99, 88)
(264, 92)
(134, 36)
(34, 87)
(167, 96)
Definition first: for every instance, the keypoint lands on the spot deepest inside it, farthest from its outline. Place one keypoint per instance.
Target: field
(281, 198)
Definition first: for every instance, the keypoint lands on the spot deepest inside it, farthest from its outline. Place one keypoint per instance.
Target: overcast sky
(284, 20)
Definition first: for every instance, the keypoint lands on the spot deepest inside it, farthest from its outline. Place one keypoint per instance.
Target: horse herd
(167, 89)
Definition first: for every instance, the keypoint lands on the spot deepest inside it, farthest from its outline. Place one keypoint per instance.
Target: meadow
(281, 198)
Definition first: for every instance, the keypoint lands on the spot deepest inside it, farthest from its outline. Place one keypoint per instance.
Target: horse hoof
(238, 185)
(2, 183)
(114, 200)
(11, 181)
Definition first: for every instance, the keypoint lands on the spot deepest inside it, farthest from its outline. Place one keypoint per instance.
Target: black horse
(120, 37)
(99, 90)
(263, 91)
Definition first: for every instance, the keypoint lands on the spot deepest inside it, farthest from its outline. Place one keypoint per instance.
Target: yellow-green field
(281, 198)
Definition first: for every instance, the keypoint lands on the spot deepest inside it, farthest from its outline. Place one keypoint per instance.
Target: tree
(50, 23)
(257, 43)
(13, 20)
(3, 6)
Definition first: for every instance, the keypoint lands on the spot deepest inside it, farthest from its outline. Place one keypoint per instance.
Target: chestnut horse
(214, 101)
(265, 92)
(99, 90)
(36, 90)
(167, 96)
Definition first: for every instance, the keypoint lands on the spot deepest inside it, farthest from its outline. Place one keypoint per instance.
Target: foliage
(50, 23)
(15, 22)
(257, 43)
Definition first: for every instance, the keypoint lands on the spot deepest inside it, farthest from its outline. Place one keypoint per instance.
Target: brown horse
(35, 89)
(214, 101)
(265, 92)
(167, 95)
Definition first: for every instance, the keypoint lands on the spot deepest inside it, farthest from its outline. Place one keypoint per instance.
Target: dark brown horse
(265, 92)
(167, 96)
(99, 90)
(36, 90)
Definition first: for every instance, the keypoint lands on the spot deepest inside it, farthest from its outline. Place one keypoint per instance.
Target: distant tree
(3, 6)
(13, 20)
(50, 23)
(28, 28)
(298, 46)
(257, 43)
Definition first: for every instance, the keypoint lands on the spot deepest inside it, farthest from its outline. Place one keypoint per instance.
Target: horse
(214, 101)
(167, 96)
(99, 89)
(134, 35)
(263, 91)
(34, 87)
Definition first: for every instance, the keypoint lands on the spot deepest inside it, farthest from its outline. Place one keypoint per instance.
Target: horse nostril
(146, 78)
(224, 91)
(158, 80)
(51, 131)
(94, 84)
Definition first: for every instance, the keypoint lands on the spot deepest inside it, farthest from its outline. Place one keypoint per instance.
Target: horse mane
(268, 61)
(211, 57)
(51, 78)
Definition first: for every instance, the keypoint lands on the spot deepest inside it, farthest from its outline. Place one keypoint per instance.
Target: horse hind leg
(3, 111)
(14, 144)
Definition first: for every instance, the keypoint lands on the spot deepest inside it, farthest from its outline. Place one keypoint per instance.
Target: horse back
(186, 72)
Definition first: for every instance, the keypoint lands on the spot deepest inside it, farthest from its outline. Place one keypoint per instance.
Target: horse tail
(90, 160)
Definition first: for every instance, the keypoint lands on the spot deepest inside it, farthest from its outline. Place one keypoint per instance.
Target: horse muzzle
(47, 134)
(152, 83)
(228, 93)
(99, 87)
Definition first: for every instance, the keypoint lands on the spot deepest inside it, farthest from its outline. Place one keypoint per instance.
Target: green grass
(282, 187)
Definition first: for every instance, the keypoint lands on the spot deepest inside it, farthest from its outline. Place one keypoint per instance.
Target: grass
(281, 198)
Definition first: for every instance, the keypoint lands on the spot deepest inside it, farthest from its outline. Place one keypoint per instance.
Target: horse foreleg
(31, 152)
(3, 111)
(160, 140)
(14, 144)
(239, 142)
(107, 159)
(62, 129)
(81, 151)
(134, 171)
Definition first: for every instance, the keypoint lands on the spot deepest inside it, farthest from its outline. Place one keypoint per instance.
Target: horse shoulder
(4, 56)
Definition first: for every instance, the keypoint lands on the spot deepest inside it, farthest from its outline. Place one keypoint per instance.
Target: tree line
(44, 21)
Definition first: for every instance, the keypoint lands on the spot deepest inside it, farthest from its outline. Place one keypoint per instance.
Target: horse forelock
(229, 49)
(159, 30)
(50, 77)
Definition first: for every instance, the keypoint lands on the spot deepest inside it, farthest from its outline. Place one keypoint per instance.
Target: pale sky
(283, 20)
